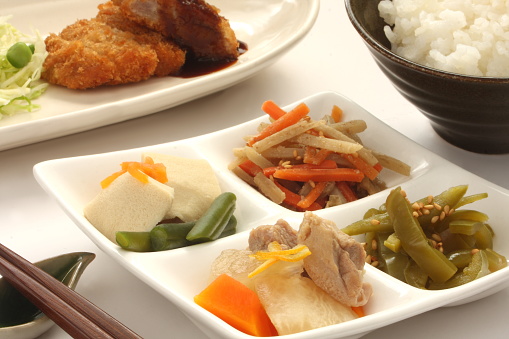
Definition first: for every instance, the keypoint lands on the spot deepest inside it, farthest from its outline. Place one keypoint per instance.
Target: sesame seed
(374, 245)
(415, 206)
(434, 219)
(446, 209)
(437, 206)
(436, 237)
(375, 222)
(374, 263)
(429, 207)
(442, 216)
(403, 193)
(430, 199)
(425, 212)
(415, 214)
(312, 183)
(368, 258)
(474, 251)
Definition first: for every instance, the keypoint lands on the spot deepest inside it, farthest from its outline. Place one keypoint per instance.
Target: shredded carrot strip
(326, 164)
(272, 109)
(361, 165)
(293, 199)
(378, 167)
(317, 175)
(312, 195)
(315, 156)
(250, 168)
(284, 121)
(140, 171)
(337, 113)
(346, 190)
(359, 310)
(108, 180)
(276, 253)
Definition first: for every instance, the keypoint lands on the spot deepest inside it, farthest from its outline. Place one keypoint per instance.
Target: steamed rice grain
(461, 36)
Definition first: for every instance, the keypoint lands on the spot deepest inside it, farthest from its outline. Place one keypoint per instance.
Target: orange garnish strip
(276, 253)
(140, 171)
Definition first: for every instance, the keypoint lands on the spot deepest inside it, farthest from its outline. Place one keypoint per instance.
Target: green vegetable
(414, 241)
(173, 235)
(20, 80)
(19, 55)
(478, 267)
(134, 241)
(213, 222)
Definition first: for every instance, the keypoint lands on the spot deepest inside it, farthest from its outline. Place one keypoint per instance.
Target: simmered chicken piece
(337, 260)
(281, 232)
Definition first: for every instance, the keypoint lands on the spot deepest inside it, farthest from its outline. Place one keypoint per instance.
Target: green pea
(19, 55)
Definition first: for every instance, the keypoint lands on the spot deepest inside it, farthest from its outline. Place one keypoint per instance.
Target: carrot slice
(284, 121)
(315, 156)
(326, 164)
(237, 305)
(337, 113)
(272, 109)
(361, 165)
(140, 171)
(346, 190)
(250, 168)
(359, 310)
(292, 199)
(312, 195)
(319, 174)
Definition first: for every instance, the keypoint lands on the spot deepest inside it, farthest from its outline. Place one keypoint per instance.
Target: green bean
(169, 236)
(496, 260)
(449, 197)
(478, 267)
(392, 263)
(134, 241)
(415, 276)
(374, 223)
(19, 55)
(414, 241)
(213, 222)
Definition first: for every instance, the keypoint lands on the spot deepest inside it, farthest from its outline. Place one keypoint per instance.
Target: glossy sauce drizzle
(196, 67)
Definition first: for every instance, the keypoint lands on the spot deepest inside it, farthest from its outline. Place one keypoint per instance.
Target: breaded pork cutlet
(193, 24)
(170, 56)
(108, 50)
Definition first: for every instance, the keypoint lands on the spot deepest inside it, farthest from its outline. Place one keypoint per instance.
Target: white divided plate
(73, 182)
(270, 28)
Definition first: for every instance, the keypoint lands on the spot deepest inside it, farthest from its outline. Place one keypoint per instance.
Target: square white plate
(270, 28)
(182, 273)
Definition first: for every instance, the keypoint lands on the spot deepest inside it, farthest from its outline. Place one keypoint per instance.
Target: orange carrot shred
(315, 156)
(337, 113)
(140, 171)
(283, 122)
(346, 190)
(250, 168)
(108, 180)
(272, 109)
(361, 165)
(359, 310)
(293, 199)
(312, 195)
(316, 175)
(237, 305)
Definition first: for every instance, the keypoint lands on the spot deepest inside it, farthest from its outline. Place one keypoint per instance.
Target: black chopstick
(73, 313)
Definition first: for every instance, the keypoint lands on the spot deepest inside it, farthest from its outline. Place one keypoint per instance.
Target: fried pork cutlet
(108, 50)
(194, 24)
(171, 57)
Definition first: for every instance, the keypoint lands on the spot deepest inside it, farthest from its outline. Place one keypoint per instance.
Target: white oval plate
(270, 28)
(169, 272)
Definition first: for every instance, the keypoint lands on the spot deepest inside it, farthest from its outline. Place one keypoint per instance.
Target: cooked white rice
(460, 36)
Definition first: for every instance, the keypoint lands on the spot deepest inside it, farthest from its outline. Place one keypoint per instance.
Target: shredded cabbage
(18, 87)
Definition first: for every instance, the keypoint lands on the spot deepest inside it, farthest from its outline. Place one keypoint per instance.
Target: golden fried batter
(108, 50)
(194, 24)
